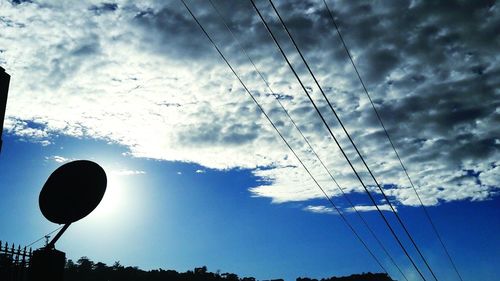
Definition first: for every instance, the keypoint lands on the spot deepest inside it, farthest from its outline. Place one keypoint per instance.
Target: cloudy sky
(141, 89)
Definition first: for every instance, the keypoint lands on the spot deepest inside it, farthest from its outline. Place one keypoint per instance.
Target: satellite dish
(72, 191)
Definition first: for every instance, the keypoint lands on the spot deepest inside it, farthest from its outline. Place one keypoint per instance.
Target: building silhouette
(4, 89)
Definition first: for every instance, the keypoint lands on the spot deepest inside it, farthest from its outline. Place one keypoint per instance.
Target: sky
(198, 176)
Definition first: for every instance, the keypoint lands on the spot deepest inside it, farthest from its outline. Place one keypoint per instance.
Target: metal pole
(52, 243)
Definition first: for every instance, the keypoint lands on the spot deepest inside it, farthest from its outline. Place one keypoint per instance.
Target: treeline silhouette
(86, 270)
(355, 277)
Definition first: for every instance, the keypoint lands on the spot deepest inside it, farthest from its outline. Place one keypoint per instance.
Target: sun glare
(114, 199)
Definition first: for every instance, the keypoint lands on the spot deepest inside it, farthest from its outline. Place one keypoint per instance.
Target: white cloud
(128, 172)
(490, 177)
(363, 208)
(199, 171)
(127, 76)
(23, 130)
(319, 209)
(58, 159)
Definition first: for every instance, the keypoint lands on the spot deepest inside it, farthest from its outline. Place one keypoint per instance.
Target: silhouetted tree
(361, 277)
(87, 270)
(85, 265)
(306, 279)
(117, 265)
(230, 276)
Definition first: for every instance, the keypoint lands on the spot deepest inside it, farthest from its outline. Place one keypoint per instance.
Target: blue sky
(180, 221)
(197, 176)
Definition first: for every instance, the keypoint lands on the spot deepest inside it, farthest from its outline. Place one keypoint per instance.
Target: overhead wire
(353, 144)
(36, 241)
(338, 144)
(390, 140)
(283, 138)
(306, 140)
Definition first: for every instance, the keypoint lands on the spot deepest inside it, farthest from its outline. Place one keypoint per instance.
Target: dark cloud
(17, 2)
(421, 32)
(379, 63)
(384, 38)
(87, 49)
(209, 134)
(10, 23)
(69, 59)
(172, 32)
(103, 8)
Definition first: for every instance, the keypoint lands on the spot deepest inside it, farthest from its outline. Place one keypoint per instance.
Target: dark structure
(14, 262)
(70, 193)
(47, 264)
(4, 89)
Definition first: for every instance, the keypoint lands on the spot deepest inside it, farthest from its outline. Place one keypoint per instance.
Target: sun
(114, 201)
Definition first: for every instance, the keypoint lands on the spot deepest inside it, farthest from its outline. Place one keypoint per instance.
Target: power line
(305, 139)
(390, 140)
(354, 145)
(338, 144)
(283, 138)
(45, 236)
